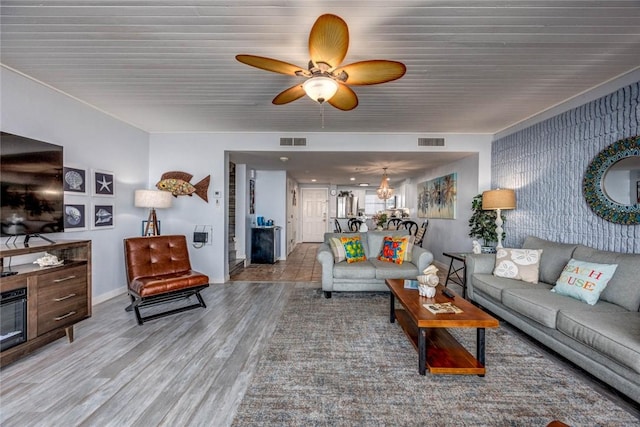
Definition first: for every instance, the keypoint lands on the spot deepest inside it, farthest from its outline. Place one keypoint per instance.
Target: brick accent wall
(545, 164)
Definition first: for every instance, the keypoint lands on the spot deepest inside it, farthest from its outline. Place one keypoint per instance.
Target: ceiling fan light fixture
(320, 89)
(384, 191)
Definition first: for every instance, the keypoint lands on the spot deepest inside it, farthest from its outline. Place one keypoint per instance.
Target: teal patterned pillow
(583, 280)
(353, 248)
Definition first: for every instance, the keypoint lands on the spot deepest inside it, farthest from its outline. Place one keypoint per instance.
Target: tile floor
(300, 266)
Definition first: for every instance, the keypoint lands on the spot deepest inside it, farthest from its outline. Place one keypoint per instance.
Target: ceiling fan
(326, 80)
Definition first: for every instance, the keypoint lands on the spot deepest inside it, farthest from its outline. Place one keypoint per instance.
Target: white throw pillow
(519, 264)
(339, 253)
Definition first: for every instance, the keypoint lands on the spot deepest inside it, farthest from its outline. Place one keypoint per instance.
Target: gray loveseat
(603, 339)
(368, 275)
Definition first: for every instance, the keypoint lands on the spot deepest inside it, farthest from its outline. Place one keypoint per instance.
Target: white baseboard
(107, 296)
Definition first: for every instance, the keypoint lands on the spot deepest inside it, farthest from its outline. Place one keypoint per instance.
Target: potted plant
(380, 220)
(483, 225)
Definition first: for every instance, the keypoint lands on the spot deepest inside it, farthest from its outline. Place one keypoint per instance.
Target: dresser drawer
(62, 299)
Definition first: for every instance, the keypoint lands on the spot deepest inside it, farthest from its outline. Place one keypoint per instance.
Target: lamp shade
(498, 199)
(152, 199)
(320, 89)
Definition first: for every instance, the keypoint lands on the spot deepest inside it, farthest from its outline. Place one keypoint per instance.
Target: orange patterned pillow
(394, 249)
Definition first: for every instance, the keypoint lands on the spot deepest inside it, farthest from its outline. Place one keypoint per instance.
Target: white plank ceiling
(472, 65)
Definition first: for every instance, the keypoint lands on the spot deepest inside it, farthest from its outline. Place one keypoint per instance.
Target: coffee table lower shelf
(444, 354)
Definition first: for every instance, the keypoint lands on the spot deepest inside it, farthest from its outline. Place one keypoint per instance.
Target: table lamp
(497, 200)
(152, 199)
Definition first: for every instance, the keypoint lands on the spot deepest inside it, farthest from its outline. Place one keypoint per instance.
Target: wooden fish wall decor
(178, 183)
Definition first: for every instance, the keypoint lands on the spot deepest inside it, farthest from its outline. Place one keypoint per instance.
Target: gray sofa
(368, 275)
(603, 339)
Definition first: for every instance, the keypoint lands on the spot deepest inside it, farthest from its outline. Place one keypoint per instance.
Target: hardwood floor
(189, 369)
(300, 266)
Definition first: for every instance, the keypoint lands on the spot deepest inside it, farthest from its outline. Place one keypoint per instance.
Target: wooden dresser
(57, 297)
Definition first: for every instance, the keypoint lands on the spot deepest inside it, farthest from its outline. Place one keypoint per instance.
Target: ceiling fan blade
(329, 40)
(269, 64)
(289, 95)
(345, 99)
(372, 72)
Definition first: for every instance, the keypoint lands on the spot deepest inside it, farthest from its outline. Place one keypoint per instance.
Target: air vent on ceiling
(289, 142)
(430, 142)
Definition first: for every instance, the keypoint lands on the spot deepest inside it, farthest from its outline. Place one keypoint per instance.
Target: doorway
(315, 202)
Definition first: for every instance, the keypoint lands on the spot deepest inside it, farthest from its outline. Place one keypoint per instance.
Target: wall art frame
(103, 216)
(75, 217)
(104, 183)
(74, 180)
(593, 183)
(437, 198)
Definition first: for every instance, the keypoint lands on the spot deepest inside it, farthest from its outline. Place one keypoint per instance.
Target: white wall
(204, 153)
(271, 202)
(450, 235)
(91, 139)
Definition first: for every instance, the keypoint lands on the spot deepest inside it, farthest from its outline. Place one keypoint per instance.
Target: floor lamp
(497, 200)
(152, 199)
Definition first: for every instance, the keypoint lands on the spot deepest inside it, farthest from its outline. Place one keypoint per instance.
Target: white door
(314, 214)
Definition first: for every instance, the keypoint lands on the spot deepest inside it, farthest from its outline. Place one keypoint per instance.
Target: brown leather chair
(158, 271)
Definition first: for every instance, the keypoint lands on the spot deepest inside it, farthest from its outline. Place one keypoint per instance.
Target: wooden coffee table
(438, 350)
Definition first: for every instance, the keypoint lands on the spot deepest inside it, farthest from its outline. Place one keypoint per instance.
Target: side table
(457, 274)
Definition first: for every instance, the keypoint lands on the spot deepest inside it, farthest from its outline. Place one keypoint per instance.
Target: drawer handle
(64, 298)
(64, 279)
(71, 313)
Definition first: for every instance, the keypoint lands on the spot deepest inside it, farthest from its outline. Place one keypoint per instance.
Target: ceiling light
(364, 184)
(284, 159)
(384, 192)
(313, 180)
(352, 178)
(320, 89)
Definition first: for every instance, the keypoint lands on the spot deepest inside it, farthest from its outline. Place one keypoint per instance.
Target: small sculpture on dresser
(48, 260)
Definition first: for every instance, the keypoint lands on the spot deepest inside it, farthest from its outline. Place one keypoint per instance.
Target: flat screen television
(32, 197)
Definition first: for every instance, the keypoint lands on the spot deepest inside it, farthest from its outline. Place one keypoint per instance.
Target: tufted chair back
(156, 256)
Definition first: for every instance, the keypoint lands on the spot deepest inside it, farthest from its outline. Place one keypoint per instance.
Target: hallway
(300, 266)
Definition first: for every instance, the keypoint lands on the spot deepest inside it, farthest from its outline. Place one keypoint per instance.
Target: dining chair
(421, 233)
(337, 227)
(412, 226)
(354, 224)
(394, 223)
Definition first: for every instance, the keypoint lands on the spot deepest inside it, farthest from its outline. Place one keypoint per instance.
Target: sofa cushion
(374, 239)
(624, 287)
(493, 286)
(584, 280)
(363, 236)
(536, 304)
(337, 248)
(615, 334)
(553, 259)
(357, 270)
(543, 306)
(354, 249)
(394, 249)
(518, 264)
(389, 270)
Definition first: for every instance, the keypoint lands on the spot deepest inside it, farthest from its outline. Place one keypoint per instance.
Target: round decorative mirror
(611, 183)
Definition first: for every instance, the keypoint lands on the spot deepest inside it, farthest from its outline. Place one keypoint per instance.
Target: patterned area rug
(339, 362)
